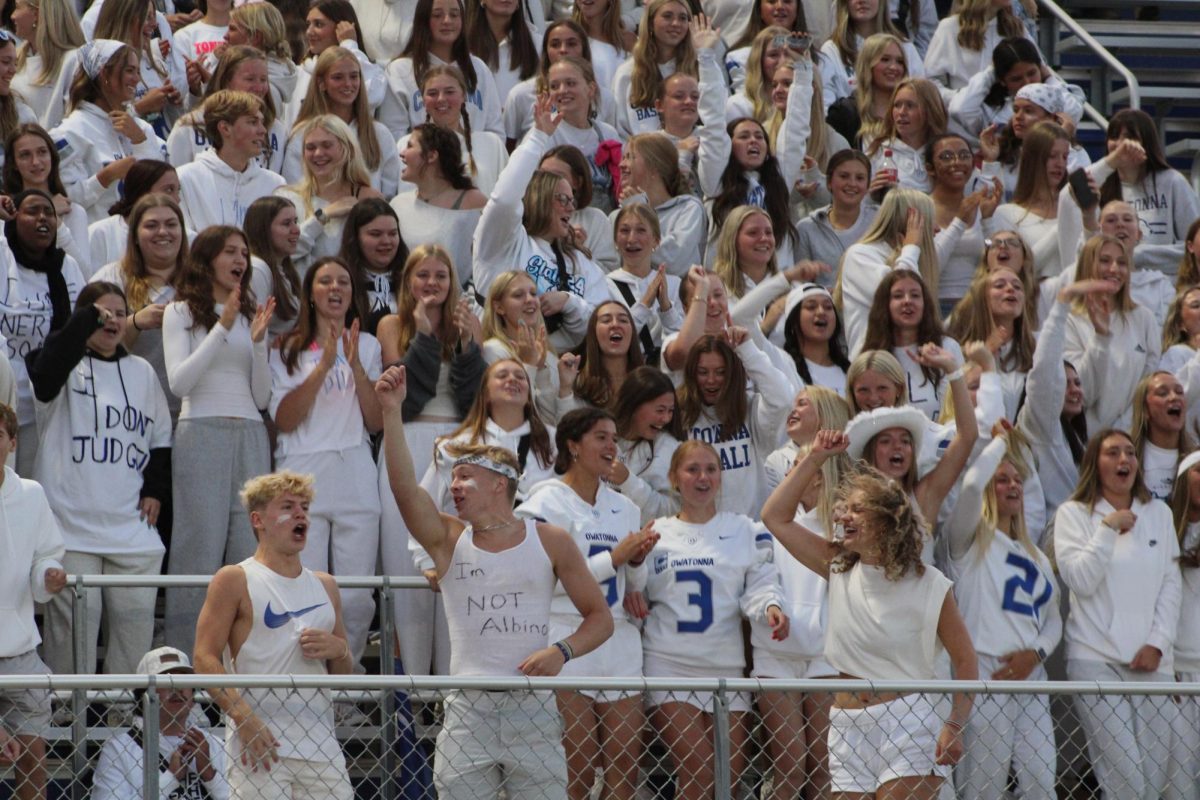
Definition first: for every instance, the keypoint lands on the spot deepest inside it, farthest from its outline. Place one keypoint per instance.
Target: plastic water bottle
(889, 169)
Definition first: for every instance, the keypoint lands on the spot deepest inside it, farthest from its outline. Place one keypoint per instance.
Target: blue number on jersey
(1027, 584)
(610, 592)
(702, 599)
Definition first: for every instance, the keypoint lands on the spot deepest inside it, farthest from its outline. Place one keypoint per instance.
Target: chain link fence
(417, 738)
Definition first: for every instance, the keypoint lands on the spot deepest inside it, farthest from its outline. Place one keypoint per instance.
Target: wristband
(957, 374)
(960, 726)
(320, 215)
(135, 325)
(1041, 655)
(565, 649)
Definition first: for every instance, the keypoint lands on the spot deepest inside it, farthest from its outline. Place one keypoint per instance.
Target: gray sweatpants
(1128, 736)
(211, 459)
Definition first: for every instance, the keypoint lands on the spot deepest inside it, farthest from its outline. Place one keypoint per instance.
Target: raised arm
(933, 488)
(427, 525)
(968, 508)
(779, 513)
(714, 143)
(676, 352)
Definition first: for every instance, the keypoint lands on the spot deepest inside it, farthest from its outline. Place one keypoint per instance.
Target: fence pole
(387, 663)
(150, 741)
(79, 628)
(721, 749)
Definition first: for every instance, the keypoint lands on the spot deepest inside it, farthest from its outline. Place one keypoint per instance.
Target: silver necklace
(497, 526)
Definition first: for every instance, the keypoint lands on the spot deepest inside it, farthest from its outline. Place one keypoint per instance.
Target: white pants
(293, 778)
(1129, 737)
(343, 531)
(1185, 746)
(127, 613)
(500, 739)
(420, 616)
(1004, 729)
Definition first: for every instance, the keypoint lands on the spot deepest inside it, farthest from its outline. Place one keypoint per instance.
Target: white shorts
(291, 777)
(871, 746)
(655, 667)
(494, 740)
(25, 712)
(773, 665)
(619, 657)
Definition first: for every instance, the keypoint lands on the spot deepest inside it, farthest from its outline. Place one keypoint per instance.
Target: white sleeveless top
(881, 629)
(497, 604)
(282, 607)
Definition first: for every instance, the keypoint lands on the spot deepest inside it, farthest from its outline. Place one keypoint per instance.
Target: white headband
(94, 55)
(487, 463)
(1193, 458)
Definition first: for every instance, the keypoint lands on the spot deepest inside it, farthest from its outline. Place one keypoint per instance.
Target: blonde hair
(57, 32)
(257, 493)
(833, 413)
(885, 364)
(115, 22)
(1139, 429)
(871, 127)
(899, 529)
(888, 227)
(352, 169)
(1031, 167)
(756, 88)
(1018, 450)
(1085, 269)
(264, 21)
(406, 301)
(646, 80)
(844, 36)
(932, 108)
(493, 323)
(1173, 332)
(973, 22)
(228, 105)
(726, 263)
(317, 103)
(498, 454)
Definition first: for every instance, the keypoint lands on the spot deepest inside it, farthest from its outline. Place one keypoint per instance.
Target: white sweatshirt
(96, 437)
(517, 116)
(31, 544)
(217, 372)
(1187, 642)
(643, 119)
(949, 64)
(45, 97)
(838, 80)
(487, 151)
(805, 597)
(1111, 366)
(682, 222)
(743, 481)
(213, 193)
(502, 244)
(648, 485)
(1125, 588)
(188, 140)
(408, 110)
(658, 322)
(374, 82)
(87, 142)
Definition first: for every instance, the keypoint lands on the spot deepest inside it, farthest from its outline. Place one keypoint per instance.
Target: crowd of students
(670, 256)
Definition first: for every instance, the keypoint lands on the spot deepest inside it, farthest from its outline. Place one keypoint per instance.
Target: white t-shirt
(1158, 468)
(335, 422)
(197, 40)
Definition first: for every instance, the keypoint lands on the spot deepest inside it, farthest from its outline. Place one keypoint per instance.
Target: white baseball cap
(162, 660)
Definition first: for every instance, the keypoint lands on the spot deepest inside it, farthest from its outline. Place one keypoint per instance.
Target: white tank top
(497, 604)
(281, 608)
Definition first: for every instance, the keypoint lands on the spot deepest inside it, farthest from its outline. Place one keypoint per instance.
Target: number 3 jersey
(1007, 596)
(701, 580)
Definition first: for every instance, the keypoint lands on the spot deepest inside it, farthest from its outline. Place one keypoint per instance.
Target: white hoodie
(213, 193)
(87, 142)
(30, 544)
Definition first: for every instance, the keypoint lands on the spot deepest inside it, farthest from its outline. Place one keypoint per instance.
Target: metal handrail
(195, 581)
(1135, 94)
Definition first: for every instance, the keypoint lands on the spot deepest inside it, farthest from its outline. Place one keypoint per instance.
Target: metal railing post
(722, 752)
(79, 630)
(387, 666)
(1102, 52)
(150, 740)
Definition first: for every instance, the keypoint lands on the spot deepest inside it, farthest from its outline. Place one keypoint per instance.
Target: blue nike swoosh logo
(274, 619)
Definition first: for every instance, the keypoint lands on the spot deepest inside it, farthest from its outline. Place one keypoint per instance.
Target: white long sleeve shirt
(30, 544)
(216, 372)
(408, 110)
(864, 266)
(1111, 366)
(1125, 588)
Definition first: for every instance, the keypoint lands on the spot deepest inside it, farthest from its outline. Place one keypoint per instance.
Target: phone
(1082, 189)
(800, 42)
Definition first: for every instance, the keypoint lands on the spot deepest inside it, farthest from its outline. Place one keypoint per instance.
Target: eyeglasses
(1008, 243)
(946, 157)
(564, 200)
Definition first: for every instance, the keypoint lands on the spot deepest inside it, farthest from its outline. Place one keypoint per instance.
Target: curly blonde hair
(899, 529)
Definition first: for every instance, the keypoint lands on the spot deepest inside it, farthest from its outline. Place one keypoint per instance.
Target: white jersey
(596, 529)
(701, 580)
(1008, 597)
(281, 608)
(497, 604)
